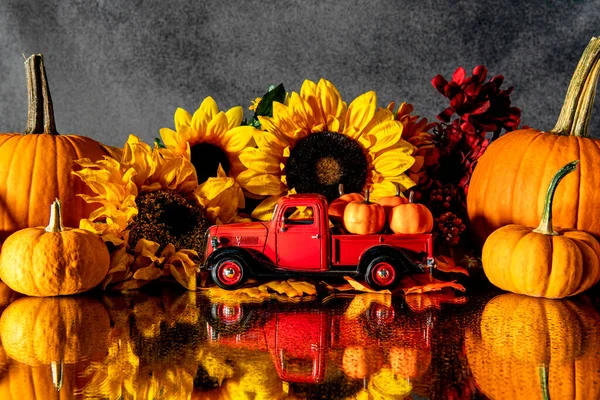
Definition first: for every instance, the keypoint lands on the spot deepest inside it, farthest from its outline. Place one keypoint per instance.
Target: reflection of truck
(298, 242)
(307, 344)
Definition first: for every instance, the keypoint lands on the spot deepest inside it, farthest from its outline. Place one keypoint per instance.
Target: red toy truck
(298, 242)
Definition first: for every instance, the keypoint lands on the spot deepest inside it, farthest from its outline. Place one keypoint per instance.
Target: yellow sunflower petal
(182, 118)
(330, 101)
(209, 107)
(383, 136)
(217, 128)
(187, 281)
(198, 126)
(261, 160)
(387, 187)
(360, 113)
(392, 163)
(261, 183)
(234, 117)
(237, 139)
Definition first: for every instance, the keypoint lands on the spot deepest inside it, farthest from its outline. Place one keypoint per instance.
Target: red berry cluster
(449, 227)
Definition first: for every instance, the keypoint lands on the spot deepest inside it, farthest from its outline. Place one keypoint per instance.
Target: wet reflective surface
(169, 344)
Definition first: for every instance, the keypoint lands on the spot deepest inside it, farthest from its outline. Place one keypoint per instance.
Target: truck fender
(383, 249)
(252, 258)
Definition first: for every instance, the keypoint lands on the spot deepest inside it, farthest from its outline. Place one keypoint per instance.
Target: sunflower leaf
(159, 143)
(265, 107)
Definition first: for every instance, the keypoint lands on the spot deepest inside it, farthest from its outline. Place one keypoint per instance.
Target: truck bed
(346, 249)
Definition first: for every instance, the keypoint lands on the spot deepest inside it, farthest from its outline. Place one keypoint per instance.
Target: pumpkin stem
(397, 188)
(56, 369)
(40, 113)
(575, 114)
(367, 192)
(55, 224)
(545, 226)
(341, 189)
(411, 196)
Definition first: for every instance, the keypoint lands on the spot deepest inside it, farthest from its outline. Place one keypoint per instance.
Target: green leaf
(159, 143)
(265, 107)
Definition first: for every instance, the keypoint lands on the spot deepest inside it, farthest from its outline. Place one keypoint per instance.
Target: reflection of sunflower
(154, 213)
(315, 141)
(209, 138)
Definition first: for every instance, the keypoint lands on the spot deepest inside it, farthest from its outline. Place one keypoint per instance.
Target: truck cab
(298, 242)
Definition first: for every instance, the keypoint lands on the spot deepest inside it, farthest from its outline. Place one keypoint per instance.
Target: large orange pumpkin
(35, 166)
(509, 181)
(542, 262)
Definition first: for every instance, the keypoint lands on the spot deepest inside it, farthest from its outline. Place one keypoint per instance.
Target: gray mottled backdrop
(120, 67)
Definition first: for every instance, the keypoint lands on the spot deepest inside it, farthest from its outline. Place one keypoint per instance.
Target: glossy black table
(164, 343)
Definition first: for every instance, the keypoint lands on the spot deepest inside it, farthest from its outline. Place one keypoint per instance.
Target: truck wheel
(381, 273)
(229, 272)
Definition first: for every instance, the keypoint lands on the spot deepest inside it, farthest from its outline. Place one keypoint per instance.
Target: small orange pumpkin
(364, 217)
(389, 202)
(337, 207)
(411, 218)
(54, 260)
(542, 262)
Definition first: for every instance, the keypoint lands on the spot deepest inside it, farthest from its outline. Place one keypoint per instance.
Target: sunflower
(209, 138)
(154, 213)
(417, 132)
(315, 141)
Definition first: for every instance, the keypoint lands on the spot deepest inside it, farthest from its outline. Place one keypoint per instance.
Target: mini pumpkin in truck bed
(298, 242)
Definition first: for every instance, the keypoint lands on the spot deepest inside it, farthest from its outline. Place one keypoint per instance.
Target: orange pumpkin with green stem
(389, 202)
(54, 260)
(411, 218)
(364, 217)
(507, 186)
(337, 206)
(35, 166)
(542, 262)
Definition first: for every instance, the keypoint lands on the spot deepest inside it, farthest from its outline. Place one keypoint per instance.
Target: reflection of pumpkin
(510, 368)
(359, 363)
(409, 362)
(35, 167)
(23, 382)
(38, 331)
(532, 328)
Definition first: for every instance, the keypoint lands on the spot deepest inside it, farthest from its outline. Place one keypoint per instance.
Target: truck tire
(382, 272)
(230, 272)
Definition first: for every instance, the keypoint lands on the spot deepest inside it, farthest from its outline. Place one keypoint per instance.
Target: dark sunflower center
(319, 162)
(167, 217)
(206, 158)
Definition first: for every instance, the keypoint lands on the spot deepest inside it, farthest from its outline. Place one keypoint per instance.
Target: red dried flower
(481, 106)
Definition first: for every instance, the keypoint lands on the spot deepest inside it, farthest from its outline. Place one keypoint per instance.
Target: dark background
(121, 67)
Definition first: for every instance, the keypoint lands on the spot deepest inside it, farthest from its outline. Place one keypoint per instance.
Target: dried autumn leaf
(421, 283)
(289, 288)
(447, 264)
